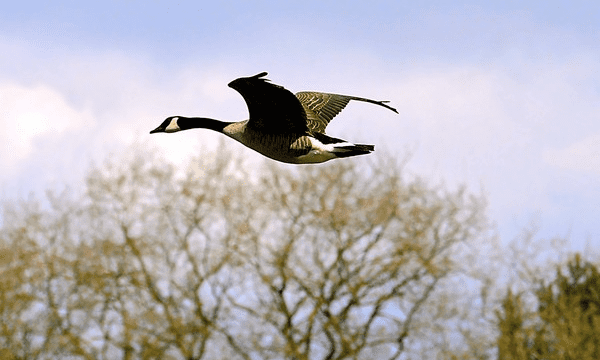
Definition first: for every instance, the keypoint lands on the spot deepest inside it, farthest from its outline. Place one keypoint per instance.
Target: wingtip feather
(258, 76)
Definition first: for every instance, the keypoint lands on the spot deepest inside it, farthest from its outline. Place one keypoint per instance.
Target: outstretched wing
(321, 108)
(272, 108)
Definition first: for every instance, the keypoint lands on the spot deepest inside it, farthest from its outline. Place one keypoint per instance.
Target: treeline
(226, 261)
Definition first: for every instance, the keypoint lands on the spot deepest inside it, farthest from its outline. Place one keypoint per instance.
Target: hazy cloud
(29, 115)
(500, 99)
(583, 155)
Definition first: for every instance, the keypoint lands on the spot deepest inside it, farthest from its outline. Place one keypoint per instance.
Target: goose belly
(287, 148)
(315, 157)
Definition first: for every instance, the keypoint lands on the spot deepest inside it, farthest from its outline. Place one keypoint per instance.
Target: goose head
(169, 125)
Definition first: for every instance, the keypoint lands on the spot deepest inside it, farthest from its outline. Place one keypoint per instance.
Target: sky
(503, 96)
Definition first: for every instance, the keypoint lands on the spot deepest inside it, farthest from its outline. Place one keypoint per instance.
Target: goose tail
(340, 148)
(347, 150)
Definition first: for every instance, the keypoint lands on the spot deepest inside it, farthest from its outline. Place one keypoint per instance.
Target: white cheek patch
(173, 126)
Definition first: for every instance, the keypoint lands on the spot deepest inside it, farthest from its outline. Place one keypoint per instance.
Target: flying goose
(282, 126)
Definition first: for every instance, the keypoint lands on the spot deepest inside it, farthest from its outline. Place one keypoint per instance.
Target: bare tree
(317, 262)
(348, 262)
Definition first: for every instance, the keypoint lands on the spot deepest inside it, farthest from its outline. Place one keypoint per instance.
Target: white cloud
(95, 104)
(27, 115)
(583, 155)
(489, 127)
(483, 124)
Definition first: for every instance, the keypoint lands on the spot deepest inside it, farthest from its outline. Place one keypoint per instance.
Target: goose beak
(157, 130)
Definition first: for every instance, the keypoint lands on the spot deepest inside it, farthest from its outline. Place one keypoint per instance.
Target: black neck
(186, 123)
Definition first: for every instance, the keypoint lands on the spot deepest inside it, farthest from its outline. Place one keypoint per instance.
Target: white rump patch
(320, 152)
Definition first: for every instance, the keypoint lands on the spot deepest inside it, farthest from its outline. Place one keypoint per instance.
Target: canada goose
(282, 126)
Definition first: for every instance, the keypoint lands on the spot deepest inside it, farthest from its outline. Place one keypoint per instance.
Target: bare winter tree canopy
(322, 262)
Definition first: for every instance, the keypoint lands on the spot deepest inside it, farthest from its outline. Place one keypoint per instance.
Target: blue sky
(503, 96)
